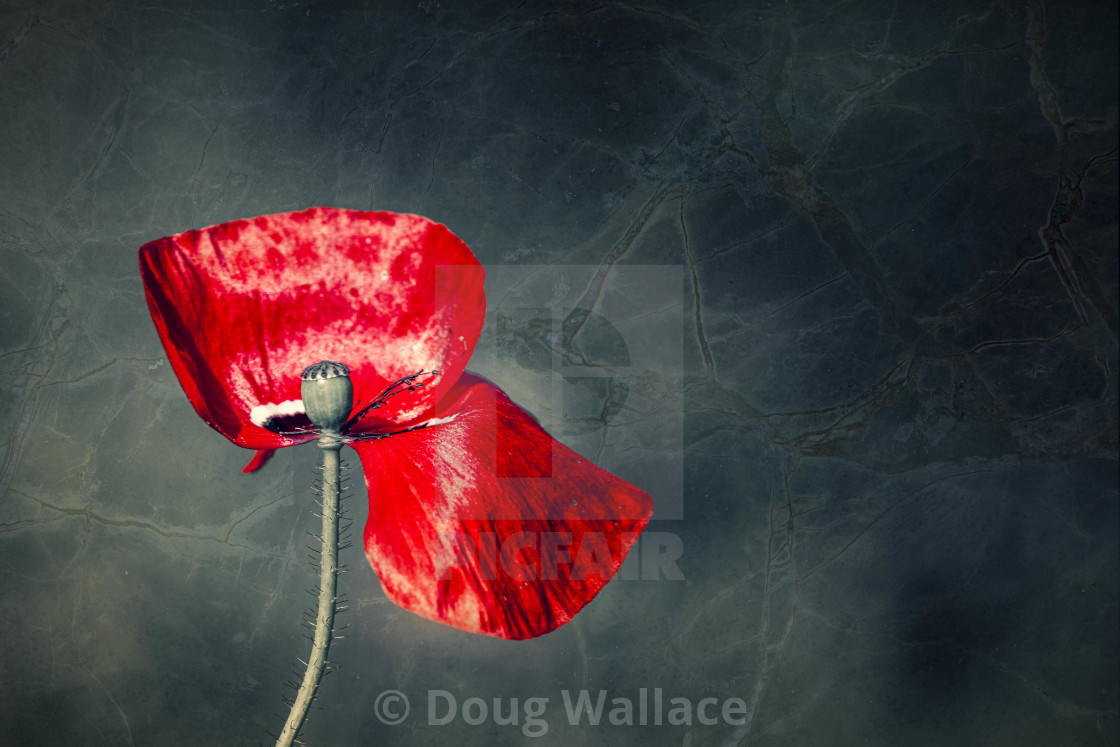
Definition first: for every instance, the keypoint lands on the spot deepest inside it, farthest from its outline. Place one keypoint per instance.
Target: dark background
(895, 226)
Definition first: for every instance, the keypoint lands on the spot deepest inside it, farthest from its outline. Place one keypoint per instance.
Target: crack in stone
(89, 514)
(698, 301)
(875, 393)
(1068, 197)
(54, 327)
(435, 156)
(922, 203)
(78, 648)
(31, 21)
(882, 514)
(114, 132)
(808, 293)
(1025, 341)
(791, 178)
(603, 421)
(194, 190)
(1014, 273)
(776, 560)
(575, 320)
(745, 242)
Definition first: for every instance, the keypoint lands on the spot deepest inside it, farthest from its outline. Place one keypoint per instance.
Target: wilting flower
(477, 517)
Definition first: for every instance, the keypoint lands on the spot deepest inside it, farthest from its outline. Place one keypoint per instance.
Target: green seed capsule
(328, 394)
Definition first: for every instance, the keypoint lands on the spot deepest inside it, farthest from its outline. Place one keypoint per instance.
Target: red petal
(259, 460)
(242, 308)
(469, 518)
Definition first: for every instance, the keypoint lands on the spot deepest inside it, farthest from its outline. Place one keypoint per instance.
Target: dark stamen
(408, 383)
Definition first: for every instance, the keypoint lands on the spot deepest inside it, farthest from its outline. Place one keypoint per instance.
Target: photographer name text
(582, 708)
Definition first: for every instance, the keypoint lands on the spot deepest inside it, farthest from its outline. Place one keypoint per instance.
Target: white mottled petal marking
(261, 414)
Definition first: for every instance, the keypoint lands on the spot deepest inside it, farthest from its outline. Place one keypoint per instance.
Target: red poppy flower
(478, 518)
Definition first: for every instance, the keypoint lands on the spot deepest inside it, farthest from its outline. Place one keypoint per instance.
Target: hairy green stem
(330, 444)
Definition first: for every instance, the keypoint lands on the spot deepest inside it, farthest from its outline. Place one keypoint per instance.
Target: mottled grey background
(895, 227)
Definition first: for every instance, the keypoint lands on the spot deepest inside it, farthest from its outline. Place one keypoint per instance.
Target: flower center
(327, 393)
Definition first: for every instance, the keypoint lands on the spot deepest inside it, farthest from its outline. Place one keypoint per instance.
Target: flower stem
(330, 444)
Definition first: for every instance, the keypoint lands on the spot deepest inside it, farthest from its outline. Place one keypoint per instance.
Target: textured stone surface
(886, 387)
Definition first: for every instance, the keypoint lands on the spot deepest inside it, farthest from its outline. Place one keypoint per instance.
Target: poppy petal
(259, 460)
(483, 521)
(243, 307)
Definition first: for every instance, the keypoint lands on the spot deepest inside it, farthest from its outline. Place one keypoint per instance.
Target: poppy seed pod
(328, 394)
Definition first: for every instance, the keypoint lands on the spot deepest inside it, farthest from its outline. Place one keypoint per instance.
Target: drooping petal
(482, 521)
(260, 459)
(243, 307)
